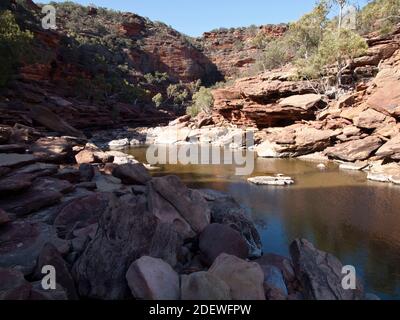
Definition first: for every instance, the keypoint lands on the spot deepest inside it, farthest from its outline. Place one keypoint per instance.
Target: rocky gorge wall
(295, 120)
(234, 51)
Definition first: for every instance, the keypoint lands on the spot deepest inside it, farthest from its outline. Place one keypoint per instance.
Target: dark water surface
(339, 211)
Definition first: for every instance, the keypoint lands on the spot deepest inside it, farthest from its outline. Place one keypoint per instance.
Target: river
(341, 212)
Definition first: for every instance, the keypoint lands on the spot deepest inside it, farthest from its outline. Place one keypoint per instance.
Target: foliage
(178, 93)
(202, 101)
(305, 35)
(334, 49)
(156, 78)
(158, 100)
(13, 43)
(276, 54)
(379, 15)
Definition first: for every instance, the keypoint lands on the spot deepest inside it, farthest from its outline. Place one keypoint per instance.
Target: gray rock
(272, 181)
(15, 159)
(153, 279)
(135, 174)
(218, 238)
(226, 210)
(320, 273)
(21, 243)
(125, 234)
(189, 203)
(203, 286)
(245, 279)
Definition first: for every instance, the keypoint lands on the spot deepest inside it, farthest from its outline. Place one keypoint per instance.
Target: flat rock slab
(135, 174)
(355, 150)
(15, 183)
(21, 243)
(272, 181)
(38, 196)
(356, 166)
(12, 148)
(15, 159)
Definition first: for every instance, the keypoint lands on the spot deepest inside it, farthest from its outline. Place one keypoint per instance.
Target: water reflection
(340, 212)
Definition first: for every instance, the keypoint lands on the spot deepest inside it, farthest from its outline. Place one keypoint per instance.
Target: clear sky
(195, 17)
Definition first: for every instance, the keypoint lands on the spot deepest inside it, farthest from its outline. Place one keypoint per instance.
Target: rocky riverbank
(112, 231)
(291, 118)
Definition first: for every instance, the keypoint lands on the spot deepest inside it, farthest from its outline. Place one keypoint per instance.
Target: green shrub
(202, 101)
(337, 49)
(379, 15)
(156, 78)
(13, 43)
(158, 100)
(178, 93)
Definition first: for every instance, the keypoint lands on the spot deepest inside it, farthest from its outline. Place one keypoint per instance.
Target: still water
(339, 211)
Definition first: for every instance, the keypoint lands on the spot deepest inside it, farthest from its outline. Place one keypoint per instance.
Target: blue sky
(195, 17)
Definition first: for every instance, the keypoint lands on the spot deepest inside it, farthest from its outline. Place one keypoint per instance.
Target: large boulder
(190, 204)
(53, 122)
(135, 174)
(370, 119)
(218, 238)
(166, 243)
(294, 141)
(225, 210)
(390, 149)
(22, 242)
(355, 150)
(126, 231)
(268, 100)
(53, 149)
(284, 265)
(153, 279)
(245, 279)
(167, 213)
(204, 286)
(81, 212)
(320, 273)
(385, 96)
(92, 155)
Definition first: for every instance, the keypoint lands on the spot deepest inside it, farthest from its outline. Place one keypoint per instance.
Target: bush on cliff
(158, 100)
(203, 100)
(301, 41)
(13, 43)
(379, 15)
(337, 50)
